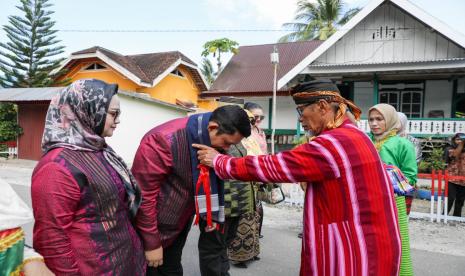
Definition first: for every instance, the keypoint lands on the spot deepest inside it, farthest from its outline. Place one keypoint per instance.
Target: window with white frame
(405, 97)
(390, 97)
(411, 103)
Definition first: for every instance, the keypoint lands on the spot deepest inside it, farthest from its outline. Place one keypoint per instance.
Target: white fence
(294, 194)
(12, 152)
(428, 126)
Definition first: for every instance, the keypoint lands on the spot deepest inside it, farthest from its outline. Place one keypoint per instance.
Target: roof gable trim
(406, 5)
(328, 43)
(174, 66)
(127, 73)
(108, 61)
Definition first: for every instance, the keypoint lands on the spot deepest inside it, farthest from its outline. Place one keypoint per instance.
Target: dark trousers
(213, 248)
(172, 256)
(457, 196)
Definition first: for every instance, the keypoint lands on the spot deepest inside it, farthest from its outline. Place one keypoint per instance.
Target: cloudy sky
(187, 15)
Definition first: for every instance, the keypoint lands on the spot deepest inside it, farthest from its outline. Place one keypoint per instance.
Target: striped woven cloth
(11, 251)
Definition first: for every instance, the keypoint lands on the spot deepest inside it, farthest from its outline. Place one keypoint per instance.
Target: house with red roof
(390, 52)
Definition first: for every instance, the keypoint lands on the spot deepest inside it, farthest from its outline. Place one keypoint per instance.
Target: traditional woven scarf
(209, 189)
(379, 143)
(11, 251)
(13, 213)
(399, 182)
(76, 119)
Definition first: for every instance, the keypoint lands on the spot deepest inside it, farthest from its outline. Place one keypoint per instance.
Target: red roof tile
(250, 71)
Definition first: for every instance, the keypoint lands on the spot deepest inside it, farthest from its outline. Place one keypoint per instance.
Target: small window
(95, 66)
(390, 97)
(411, 101)
(177, 73)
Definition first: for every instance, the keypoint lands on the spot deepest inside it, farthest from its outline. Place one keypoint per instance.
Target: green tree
(317, 20)
(29, 56)
(9, 129)
(218, 46)
(207, 71)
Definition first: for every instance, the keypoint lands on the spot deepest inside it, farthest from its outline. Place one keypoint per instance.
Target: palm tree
(317, 20)
(218, 46)
(207, 71)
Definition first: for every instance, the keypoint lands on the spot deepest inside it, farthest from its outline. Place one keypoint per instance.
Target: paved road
(280, 249)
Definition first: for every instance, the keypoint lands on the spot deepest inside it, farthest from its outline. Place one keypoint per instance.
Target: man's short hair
(231, 119)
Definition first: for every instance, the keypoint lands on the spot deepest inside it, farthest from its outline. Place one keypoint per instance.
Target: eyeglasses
(300, 108)
(259, 117)
(115, 113)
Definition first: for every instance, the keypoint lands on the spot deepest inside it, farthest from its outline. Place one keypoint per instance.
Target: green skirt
(406, 268)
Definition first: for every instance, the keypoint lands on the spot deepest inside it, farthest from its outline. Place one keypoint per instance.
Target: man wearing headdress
(350, 219)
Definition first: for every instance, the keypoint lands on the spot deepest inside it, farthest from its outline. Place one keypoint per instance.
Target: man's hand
(36, 268)
(154, 257)
(212, 228)
(206, 154)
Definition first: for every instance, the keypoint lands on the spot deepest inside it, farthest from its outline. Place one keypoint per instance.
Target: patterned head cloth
(313, 91)
(76, 116)
(75, 120)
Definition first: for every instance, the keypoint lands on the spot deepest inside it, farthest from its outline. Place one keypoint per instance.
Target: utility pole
(274, 61)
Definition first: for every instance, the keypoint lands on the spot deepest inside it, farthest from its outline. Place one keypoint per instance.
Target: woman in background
(245, 246)
(398, 151)
(403, 133)
(418, 153)
(455, 159)
(258, 135)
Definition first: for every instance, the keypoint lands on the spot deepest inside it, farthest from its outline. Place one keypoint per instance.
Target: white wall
(286, 117)
(363, 96)
(137, 118)
(438, 96)
(406, 39)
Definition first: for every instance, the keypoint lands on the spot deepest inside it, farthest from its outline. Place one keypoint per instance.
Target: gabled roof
(28, 94)
(405, 5)
(45, 94)
(250, 71)
(144, 69)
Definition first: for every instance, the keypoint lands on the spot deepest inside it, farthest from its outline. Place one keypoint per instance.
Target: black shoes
(240, 265)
